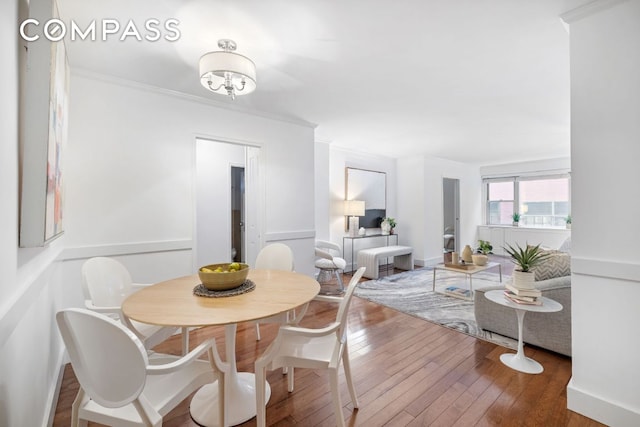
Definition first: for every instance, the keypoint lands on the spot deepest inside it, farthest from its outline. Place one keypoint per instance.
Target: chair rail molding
(280, 236)
(115, 249)
(604, 268)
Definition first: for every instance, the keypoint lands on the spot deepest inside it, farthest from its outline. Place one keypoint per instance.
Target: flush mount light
(227, 72)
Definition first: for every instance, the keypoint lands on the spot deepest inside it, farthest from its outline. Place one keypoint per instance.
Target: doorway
(227, 203)
(451, 214)
(237, 214)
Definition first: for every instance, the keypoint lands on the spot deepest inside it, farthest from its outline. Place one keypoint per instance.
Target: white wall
(420, 196)
(139, 186)
(412, 206)
(605, 103)
(30, 281)
(322, 190)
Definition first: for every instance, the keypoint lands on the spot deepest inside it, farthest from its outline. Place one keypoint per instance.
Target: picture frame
(371, 187)
(44, 107)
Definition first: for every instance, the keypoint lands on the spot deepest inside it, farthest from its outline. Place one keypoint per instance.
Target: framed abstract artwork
(43, 133)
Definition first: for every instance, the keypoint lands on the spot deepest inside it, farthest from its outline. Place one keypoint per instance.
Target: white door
(252, 210)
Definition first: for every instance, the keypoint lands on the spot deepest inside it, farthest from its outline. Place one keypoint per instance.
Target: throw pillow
(566, 246)
(557, 264)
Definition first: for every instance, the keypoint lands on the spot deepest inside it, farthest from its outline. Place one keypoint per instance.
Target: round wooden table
(172, 303)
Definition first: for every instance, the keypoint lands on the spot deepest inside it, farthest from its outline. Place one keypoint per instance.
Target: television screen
(372, 218)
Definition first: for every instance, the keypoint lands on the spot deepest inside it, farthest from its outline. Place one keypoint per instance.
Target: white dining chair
(120, 385)
(106, 283)
(278, 256)
(323, 348)
(329, 262)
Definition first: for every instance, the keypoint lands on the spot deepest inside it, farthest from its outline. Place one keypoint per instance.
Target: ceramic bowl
(220, 281)
(480, 259)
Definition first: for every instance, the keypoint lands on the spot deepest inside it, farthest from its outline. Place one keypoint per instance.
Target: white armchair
(324, 348)
(106, 283)
(278, 256)
(119, 384)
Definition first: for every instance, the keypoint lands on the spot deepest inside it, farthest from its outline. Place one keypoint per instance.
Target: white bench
(402, 258)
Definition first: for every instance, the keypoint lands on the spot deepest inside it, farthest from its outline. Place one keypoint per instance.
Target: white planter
(480, 259)
(524, 280)
(386, 227)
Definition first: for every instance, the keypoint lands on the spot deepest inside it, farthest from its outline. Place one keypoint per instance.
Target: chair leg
(347, 373)
(185, 341)
(222, 396)
(75, 408)
(261, 410)
(335, 393)
(258, 331)
(289, 378)
(340, 284)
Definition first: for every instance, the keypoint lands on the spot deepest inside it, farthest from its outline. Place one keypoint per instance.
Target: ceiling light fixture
(227, 72)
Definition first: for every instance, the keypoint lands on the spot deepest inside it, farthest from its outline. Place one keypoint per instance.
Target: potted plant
(516, 219)
(525, 259)
(388, 224)
(567, 220)
(484, 249)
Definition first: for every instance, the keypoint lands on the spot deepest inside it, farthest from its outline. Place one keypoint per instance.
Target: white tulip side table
(519, 361)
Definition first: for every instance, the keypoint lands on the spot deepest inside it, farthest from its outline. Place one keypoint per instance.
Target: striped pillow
(557, 264)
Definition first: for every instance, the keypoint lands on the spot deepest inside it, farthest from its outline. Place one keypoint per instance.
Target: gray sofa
(551, 331)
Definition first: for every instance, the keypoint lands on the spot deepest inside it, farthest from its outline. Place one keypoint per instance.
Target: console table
(366, 236)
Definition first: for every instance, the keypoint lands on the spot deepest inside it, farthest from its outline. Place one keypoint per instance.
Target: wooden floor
(407, 372)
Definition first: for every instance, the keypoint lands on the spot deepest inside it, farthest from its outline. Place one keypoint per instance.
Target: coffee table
(519, 361)
(469, 271)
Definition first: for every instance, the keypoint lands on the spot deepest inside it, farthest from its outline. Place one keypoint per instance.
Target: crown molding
(588, 9)
(93, 75)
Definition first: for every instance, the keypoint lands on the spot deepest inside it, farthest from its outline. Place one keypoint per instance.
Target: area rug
(410, 292)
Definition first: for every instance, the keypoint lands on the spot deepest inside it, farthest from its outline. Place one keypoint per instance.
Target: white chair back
(329, 247)
(108, 359)
(276, 256)
(343, 310)
(105, 281)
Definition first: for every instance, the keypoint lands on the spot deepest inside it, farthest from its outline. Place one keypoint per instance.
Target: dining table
(174, 303)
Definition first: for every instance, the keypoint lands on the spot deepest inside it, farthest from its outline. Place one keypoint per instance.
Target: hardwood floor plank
(407, 372)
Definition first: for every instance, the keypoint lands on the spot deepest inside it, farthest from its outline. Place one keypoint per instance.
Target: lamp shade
(216, 66)
(354, 207)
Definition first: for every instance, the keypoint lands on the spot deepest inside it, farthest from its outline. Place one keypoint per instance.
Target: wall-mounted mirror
(371, 187)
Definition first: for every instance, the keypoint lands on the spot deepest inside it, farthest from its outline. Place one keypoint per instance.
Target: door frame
(258, 193)
(456, 210)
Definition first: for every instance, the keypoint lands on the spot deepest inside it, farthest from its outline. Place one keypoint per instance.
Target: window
(544, 202)
(501, 200)
(541, 201)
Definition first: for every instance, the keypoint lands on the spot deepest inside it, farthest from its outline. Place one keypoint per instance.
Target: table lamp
(354, 209)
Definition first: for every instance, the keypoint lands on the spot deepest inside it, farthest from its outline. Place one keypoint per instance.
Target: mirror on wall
(371, 187)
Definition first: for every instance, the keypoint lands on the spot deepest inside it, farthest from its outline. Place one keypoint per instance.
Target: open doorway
(237, 214)
(227, 202)
(451, 214)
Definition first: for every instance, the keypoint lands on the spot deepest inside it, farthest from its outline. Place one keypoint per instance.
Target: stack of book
(523, 296)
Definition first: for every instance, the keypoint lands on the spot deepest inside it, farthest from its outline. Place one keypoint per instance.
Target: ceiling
(474, 81)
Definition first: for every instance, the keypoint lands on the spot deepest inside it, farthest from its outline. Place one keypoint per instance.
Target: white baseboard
(599, 409)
